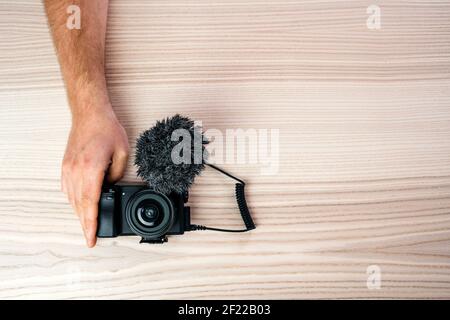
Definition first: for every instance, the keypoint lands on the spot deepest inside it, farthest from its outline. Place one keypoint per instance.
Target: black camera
(157, 209)
(138, 210)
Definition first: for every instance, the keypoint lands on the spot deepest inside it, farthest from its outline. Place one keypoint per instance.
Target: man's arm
(97, 141)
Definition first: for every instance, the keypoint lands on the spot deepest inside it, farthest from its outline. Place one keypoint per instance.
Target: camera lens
(149, 214)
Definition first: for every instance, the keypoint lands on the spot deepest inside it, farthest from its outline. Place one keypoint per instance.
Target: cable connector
(195, 227)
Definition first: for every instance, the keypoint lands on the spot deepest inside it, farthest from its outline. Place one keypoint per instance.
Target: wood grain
(364, 173)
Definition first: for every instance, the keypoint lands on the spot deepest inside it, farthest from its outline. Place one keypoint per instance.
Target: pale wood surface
(364, 119)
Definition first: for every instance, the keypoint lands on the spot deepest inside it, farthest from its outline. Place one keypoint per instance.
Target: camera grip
(107, 224)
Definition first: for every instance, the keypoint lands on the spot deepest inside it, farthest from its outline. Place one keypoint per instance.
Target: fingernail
(89, 239)
(89, 242)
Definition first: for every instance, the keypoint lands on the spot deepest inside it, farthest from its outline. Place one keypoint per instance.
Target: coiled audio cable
(242, 206)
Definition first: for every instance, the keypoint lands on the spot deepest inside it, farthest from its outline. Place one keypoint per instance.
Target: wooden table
(364, 163)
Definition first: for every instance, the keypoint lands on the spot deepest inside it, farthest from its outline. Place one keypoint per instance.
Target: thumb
(118, 166)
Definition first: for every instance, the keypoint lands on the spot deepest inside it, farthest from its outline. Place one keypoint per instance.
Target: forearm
(97, 143)
(81, 53)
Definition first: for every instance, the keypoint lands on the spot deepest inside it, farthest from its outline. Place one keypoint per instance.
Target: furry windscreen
(154, 156)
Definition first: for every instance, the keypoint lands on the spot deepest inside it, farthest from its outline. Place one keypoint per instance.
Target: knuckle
(122, 153)
(67, 165)
(90, 220)
(83, 163)
(87, 199)
(87, 162)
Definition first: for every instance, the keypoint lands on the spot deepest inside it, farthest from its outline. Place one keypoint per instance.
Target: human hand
(97, 145)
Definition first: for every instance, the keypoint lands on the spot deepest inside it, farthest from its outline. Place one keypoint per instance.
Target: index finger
(92, 187)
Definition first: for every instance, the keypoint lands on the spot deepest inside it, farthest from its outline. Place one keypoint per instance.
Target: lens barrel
(149, 214)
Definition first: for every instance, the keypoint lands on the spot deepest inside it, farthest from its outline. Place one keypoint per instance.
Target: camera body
(126, 210)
